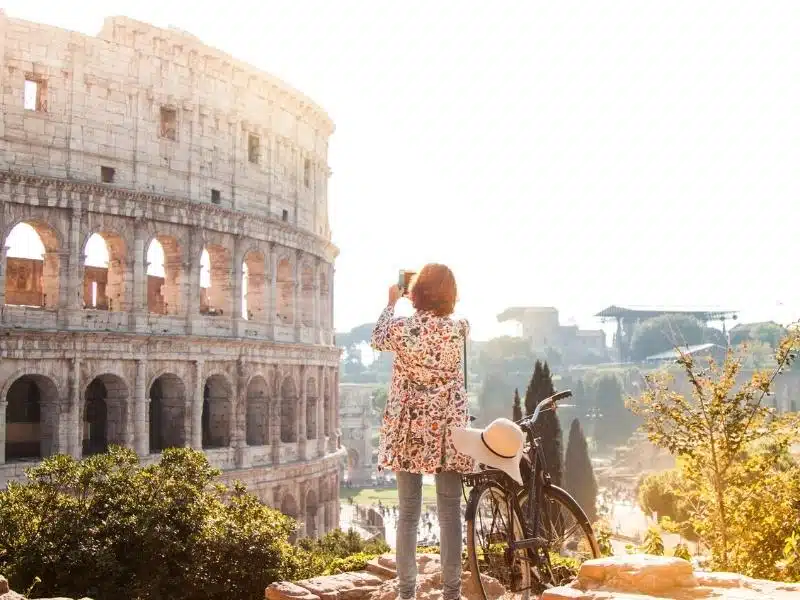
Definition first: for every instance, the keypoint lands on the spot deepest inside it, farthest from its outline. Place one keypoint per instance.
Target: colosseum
(168, 270)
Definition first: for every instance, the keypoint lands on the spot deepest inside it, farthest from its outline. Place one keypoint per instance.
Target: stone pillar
(239, 417)
(301, 416)
(3, 406)
(74, 423)
(275, 428)
(337, 433)
(74, 281)
(3, 252)
(191, 275)
(272, 293)
(141, 400)
(195, 408)
(297, 313)
(331, 275)
(138, 289)
(238, 274)
(320, 377)
(317, 320)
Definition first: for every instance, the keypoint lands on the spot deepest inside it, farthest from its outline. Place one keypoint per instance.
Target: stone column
(74, 281)
(74, 423)
(301, 416)
(3, 252)
(191, 288)
(238, 274)
(141, 400)
(138, 292)
(335, 430)
(195, 408)
(239, 417)
(275, 428)
(3, 406)
(321, 437)
(298, 295)
(317, 320)
(272, 293)
(333, 420)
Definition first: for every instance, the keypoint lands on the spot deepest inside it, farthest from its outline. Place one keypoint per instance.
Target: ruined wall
(143, 135)
(153, 109)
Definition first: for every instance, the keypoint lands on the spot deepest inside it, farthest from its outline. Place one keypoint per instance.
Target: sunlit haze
(567, 154)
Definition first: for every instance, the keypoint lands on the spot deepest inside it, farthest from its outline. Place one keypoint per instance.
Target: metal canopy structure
(629, 317)
(648, 312)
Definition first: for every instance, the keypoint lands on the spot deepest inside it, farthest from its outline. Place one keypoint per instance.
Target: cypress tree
(532, 394)
(517, 412)
(579, 479)
(547, 426)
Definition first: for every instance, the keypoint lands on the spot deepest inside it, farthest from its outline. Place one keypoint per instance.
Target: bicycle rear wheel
(571, 540)
(492, 520)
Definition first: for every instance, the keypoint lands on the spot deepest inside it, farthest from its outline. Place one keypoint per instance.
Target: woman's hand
(394, 294)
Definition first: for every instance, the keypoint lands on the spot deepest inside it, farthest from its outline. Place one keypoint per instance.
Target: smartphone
(404, 281)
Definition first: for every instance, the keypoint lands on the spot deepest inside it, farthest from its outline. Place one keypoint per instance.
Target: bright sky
(571, 154)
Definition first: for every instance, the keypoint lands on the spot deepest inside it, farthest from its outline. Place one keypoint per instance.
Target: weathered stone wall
(125, 136)
(167, 113)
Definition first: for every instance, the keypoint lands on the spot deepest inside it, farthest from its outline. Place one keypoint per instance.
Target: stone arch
(312, 398)
(105, 413)
(253, 286)
(217, 412)
(290, 509)
(257, 412)
(312, 508)
(165, 274)
(32, 411)
(288, 400)
(326, 407)
(324, 301)
(215, 284)
(307, 295)
(167, 412)
(104, 285)
(32, 264)
(285, 287)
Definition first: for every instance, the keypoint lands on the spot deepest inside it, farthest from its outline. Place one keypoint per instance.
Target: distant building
(541, 327)
(359, 422)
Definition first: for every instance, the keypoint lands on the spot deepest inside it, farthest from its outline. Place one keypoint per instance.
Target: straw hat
(498, 445)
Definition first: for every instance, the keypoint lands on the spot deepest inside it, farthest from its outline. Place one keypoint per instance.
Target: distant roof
(513, 313)
(672, 354)
(647, 312)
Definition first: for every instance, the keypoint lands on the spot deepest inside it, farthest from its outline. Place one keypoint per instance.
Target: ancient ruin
(167, 278)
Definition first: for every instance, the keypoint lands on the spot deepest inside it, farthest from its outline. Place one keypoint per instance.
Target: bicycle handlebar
(544, 405)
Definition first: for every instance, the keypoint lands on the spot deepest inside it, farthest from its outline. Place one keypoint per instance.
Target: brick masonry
(143, 134)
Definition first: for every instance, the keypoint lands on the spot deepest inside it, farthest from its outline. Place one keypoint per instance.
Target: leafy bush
(335, 552)
(653, 542)
(428, 550)
(106, 527)
(682, 551)
(739, 484)
(602, 532)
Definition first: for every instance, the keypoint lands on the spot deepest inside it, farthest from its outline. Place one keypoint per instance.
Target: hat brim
(468, 441)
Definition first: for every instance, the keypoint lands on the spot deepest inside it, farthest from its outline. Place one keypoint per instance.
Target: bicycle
(524, 557)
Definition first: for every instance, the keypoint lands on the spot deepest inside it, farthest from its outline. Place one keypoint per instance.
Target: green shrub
(682, 551)
(105, 527)
(354, 562)
(428, 550)
(653, 542)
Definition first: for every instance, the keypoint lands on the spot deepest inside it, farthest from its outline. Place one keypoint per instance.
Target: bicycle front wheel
(570, 538)
(492, 521)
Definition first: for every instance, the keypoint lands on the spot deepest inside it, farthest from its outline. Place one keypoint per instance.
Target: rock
(346, 586)
(650, 577)
(285, 590)
(4, 585)
(429, 587)
(639, 573)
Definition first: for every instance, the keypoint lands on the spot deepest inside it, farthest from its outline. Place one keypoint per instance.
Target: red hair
(434, 290)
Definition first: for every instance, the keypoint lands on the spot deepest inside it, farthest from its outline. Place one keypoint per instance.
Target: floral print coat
(427, 395)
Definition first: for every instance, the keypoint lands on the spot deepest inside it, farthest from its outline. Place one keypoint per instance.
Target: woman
(427, 398)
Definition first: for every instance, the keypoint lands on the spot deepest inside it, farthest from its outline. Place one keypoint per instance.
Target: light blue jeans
(448, 504)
